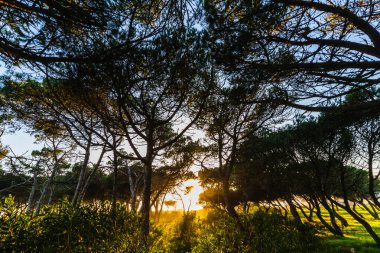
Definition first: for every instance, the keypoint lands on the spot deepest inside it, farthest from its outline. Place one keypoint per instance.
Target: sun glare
(187, 198)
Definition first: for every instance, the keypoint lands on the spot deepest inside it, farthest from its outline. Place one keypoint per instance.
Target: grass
(171, 217)
(355, 235)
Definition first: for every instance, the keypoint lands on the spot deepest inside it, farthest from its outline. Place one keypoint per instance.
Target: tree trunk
(341, 219)
(50, 195)
(348, 209)
(307, 216)
(145, 208)
(230, 208)
(246, 207)
(114, 185)
(323, 221)
(44, 190)
(332, 216)
(293, 210)
(310, 207)
(148, 168)
(132, 188)
(226, 183)
(363, 222)
(356, 211)
(282, 208)
(161, 207)
(88, 180)
(77, 188)
(32, 192)
(156, 209)
(82, 175)
(372, 212)
(371, 179)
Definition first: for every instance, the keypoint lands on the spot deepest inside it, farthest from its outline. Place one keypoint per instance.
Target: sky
(20, 142)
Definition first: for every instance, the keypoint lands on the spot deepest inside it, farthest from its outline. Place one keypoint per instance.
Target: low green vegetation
(61, 228)
(263, 232)
(355, 236)
(99, 228)
(219, 233)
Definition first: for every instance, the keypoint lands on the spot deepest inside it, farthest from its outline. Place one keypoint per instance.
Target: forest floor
(355, 236)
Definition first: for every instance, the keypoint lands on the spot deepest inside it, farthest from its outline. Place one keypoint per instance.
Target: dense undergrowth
(99, 228)
(62, 228)
(262, 233)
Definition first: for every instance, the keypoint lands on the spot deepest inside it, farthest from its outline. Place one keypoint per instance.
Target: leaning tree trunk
(323, 221)
(161, 207)
(44, 190)
(82, 175)
(332, 216)
(339, 217)
(32, 192)
(301, 207)
(348, 209)
(363, 222)
(88, 180)
(372, 212)
(51, 195)
(371, 178)
(293, 210)
(281, 207)
(78, 186)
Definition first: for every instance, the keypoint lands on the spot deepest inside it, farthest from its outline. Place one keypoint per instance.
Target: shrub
(98, 228)
(263, 233)
(184, 236)
(62, 228)
(219, 233)
(274, 233)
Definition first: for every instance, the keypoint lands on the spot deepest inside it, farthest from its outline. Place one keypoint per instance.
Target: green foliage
(263, 233)
(219, 234)
(184, 237)
(62, 228)
(274, 233)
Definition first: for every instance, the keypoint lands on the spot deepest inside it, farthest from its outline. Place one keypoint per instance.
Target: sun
(187, 196)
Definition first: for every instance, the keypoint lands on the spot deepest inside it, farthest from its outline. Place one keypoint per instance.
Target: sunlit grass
(170, 217)
(355, 235)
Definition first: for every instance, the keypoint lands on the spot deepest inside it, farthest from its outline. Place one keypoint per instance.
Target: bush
(98, 228)
(184, 236)
(263, 233)
(219, 233)
(274, 233)
(62, 228)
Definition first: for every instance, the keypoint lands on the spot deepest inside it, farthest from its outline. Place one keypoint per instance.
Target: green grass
(355, 235)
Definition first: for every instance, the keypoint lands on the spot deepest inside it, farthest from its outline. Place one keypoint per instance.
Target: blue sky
(20, 142)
